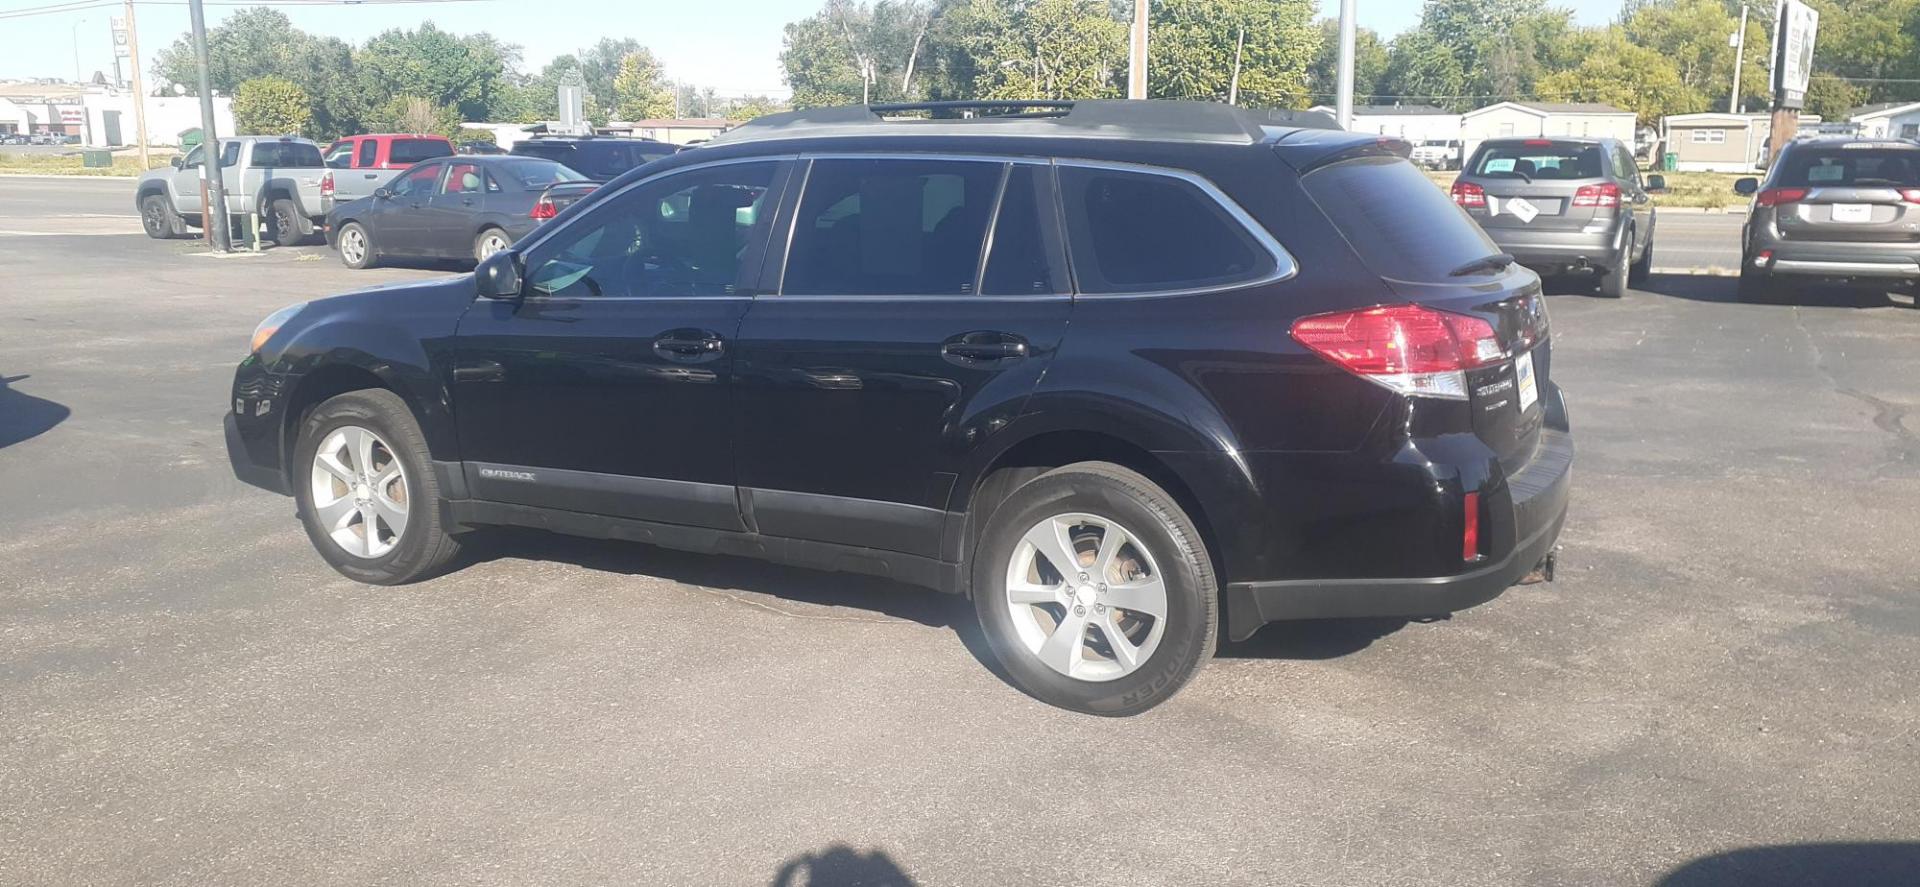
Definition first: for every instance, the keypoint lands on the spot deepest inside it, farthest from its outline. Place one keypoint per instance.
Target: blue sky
(732, 45)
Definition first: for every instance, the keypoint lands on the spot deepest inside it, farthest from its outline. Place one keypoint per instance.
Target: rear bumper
(1812, 258)
(1551, 251)
(1524, 514)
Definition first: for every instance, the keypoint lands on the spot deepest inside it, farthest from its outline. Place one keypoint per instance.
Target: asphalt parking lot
(1718, 690)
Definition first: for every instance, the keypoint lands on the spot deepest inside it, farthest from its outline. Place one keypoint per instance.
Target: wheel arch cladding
(1033, 455)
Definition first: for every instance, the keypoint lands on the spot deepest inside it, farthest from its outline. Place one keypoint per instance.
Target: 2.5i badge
(1523, 374)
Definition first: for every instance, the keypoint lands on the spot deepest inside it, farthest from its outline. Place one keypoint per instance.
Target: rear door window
(1839, 167)
(410, 151)
(1539, 159)
(891, 227)
(1133, 232)
(1025, 255)
(1399, 224)
(369, 151)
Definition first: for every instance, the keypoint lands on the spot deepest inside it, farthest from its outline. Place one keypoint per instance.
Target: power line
(82, 5)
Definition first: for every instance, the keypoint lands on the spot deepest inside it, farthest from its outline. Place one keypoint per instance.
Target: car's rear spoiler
(1309, 149)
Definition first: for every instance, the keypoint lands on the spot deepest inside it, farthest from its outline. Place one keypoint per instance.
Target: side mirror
(1745, 187)
(179, 161)
(498, 276)
(382, 193)
(1656, 182)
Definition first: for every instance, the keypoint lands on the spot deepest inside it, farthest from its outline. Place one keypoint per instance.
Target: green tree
(852, 52)
(1693, 35)
(405, 113)
(1041, 49)
(1196, 42)
(1831, 98)
(751, 107)
(1369, 64)
(271, 106)
(1421, 69)
(640, 90)
(466, 74)
(252, 43)
(1620, 73)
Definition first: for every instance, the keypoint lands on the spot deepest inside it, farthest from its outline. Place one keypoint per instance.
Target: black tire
(480, 241)
(366, 257)
(1613, 281)
(1175, 549)
(159, 219)
(1642, 269)
(424, 546)
(286, 225)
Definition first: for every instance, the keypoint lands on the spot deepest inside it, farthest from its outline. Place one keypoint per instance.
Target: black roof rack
(1094, 118)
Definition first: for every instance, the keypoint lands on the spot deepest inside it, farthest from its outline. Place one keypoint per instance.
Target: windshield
(536, 173)
(1840, 167)
(1540, 159)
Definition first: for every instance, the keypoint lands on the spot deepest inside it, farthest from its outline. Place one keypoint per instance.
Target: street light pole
(1137, 53)
(139, 87)
(1739, 55)
(215, 221)
(1343, 91)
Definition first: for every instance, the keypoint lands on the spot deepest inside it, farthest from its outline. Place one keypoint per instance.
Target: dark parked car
(1563, 205)
(598, 158)
(1834, 208)
(457, 207)
(1124, 373)
(488, 147)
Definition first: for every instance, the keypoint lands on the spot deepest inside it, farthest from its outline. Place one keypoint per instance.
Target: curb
(55, 175)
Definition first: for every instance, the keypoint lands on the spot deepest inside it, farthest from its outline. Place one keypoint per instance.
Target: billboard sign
(1794, 26)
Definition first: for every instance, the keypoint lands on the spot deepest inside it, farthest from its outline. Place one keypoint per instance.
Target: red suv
(360, 165)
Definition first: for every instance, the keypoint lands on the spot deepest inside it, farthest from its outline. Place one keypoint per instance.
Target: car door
(405, 225)
(186, 182)
(888, 350)
(458, 201)
(607, 388)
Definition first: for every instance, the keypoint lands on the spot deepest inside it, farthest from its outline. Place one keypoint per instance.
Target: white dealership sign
(1793, 31)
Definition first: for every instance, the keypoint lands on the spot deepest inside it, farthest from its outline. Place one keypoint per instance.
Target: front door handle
(689, 346)
(480, 371)
(983, 348)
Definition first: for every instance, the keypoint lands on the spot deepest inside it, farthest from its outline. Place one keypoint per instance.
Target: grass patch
(70, 164)
(1700, 190)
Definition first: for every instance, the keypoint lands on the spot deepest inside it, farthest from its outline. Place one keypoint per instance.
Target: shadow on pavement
(1865, 864)
(841, 866)
(23, 416)
(1702, 288)
(1311, 639)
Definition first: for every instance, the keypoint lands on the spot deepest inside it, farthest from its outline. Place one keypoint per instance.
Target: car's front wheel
(364, 484)
(1095, 590)
(159, 219)
(356, 247)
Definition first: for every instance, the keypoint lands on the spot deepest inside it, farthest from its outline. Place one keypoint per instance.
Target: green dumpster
(189, 138)
(96, 159)
(1670, 162)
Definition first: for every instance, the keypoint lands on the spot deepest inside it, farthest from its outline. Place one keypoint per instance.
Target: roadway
(1718, 689)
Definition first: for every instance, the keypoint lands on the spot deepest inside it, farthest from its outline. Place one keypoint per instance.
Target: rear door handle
(689, 346)
(973, 349)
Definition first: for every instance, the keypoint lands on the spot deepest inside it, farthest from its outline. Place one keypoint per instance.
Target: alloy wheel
(492, 243)
(1086, 597)
(360, 492)
(353, 245)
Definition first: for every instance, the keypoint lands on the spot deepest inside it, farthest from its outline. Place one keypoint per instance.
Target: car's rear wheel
(356, 247)
(1094, 590)
(488, 242)
(1613, 281)
(283, 222)
(159, 219)
(364, 484)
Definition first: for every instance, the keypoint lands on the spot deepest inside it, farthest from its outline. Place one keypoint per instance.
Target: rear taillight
(1778, 196)
(1469, 194)
(1411, 349)
(326, 184)
(543, 208)
(1470, 534)
(1607, 194)
(1910, 195)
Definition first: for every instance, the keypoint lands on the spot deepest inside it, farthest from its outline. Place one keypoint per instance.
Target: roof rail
(1092, 118)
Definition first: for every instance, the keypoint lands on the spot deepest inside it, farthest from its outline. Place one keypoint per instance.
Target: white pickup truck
(277, 177)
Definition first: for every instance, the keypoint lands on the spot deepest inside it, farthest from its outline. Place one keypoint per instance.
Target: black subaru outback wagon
(1122, 372)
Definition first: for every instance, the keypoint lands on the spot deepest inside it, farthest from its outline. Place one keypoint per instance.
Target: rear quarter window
(1137, 232)
(1398, 221)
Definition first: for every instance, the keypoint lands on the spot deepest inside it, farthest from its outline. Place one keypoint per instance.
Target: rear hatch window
(1399, 222)
(1850, 167)
(1539, 159)
(559, 152)
(1532, 184)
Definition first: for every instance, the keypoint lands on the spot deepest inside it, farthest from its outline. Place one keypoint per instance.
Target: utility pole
(1739, 55)
(1343, 91)
(139, 87)
(215, 220)
(1137, 53)
(1233, 85)
(78, 75)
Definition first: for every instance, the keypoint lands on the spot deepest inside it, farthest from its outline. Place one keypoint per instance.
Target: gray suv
(1561, 205)
(1835, 208)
